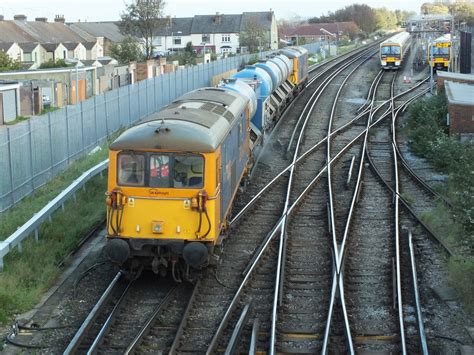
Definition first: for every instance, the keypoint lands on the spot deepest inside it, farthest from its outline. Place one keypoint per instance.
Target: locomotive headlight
(157, 227)
(397, 62)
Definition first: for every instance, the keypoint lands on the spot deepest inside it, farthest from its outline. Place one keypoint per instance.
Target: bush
(427, 132)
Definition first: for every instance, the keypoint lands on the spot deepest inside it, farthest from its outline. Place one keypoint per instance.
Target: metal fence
(34, 151)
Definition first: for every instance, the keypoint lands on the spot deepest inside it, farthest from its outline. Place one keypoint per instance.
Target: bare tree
(142, 18)
(253, 36)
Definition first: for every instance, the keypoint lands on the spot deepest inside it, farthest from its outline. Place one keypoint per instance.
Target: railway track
(204, 298)
(112, 325)
(291, 283)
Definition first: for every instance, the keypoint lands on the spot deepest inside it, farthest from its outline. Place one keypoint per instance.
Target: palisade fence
(34, 151)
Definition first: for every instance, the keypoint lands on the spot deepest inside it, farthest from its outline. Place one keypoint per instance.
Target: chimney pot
(19, 18)
(59, 18)
(2, 17)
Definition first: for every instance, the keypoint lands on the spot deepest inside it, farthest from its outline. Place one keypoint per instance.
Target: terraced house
(34, 42)
(219, 33)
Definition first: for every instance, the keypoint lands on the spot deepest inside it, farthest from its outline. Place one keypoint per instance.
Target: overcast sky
(97, 10)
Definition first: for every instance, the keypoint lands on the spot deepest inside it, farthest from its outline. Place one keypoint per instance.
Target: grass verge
(28, 274)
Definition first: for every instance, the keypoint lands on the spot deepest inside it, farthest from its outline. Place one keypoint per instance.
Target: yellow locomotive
(173, 177)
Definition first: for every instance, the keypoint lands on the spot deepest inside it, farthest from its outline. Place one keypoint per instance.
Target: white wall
(15, 52)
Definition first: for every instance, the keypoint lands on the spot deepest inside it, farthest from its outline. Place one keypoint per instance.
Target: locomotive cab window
(131, 169)
(176, 171)
(159, 172)
(188, 171)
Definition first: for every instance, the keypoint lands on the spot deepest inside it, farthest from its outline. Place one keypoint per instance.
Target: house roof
(28, 47)
(89, 45)
(264, 19)
(216, 23)
(49, 32)
(458, 76)
(173, 25)
(50, 47)
(10, 32)
(91, 30)
(5, 46)
(459, 93)
(314, 29)
(70, 45)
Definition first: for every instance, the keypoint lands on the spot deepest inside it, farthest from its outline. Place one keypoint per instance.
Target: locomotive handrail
(34, 223)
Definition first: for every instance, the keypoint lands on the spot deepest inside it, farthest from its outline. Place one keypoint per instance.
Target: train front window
(188, 171)
(439, 50)
(390, 50)
(160, 171)
(131, 169)
(176, 171)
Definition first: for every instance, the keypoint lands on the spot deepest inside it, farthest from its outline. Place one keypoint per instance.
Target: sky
(109, 10)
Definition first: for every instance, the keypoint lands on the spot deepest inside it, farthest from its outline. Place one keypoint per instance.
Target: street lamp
(259, 47)
(172, 37)
(331, 34)
(76, 62)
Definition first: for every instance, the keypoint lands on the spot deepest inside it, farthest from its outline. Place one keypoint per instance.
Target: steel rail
(397, 226)
(107, 324)
(331, 217)
(264, 245)
(419, 314)
(148, 324)
(278, 291)
(182, 324)
(357, 57)
(337, 274)
(306, 154)
(82, 331)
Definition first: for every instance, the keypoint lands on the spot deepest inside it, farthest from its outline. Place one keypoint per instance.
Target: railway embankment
(27, 274)
(425, 130)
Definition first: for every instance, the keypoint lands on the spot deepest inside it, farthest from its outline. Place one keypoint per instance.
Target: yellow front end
(149, 217)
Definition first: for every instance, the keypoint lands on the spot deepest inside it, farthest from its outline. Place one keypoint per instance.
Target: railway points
(289, 275)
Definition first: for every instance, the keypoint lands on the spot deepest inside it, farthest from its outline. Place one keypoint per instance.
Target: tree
(126, 51)
(462, 11)
(385, 19)
(253, 36)
(143, 19)
(7, 63)
(60, 63)
(363, 15)
(429, 9)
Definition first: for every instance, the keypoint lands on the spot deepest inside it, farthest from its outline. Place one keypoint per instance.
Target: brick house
(460, 109)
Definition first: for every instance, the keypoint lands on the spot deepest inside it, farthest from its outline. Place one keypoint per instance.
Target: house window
(177, 40)
(157, 41)
(206, 38)
(65, 54)
(225, 38)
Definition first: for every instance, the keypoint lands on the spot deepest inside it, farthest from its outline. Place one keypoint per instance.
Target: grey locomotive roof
(459, 93)
(196, 122)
